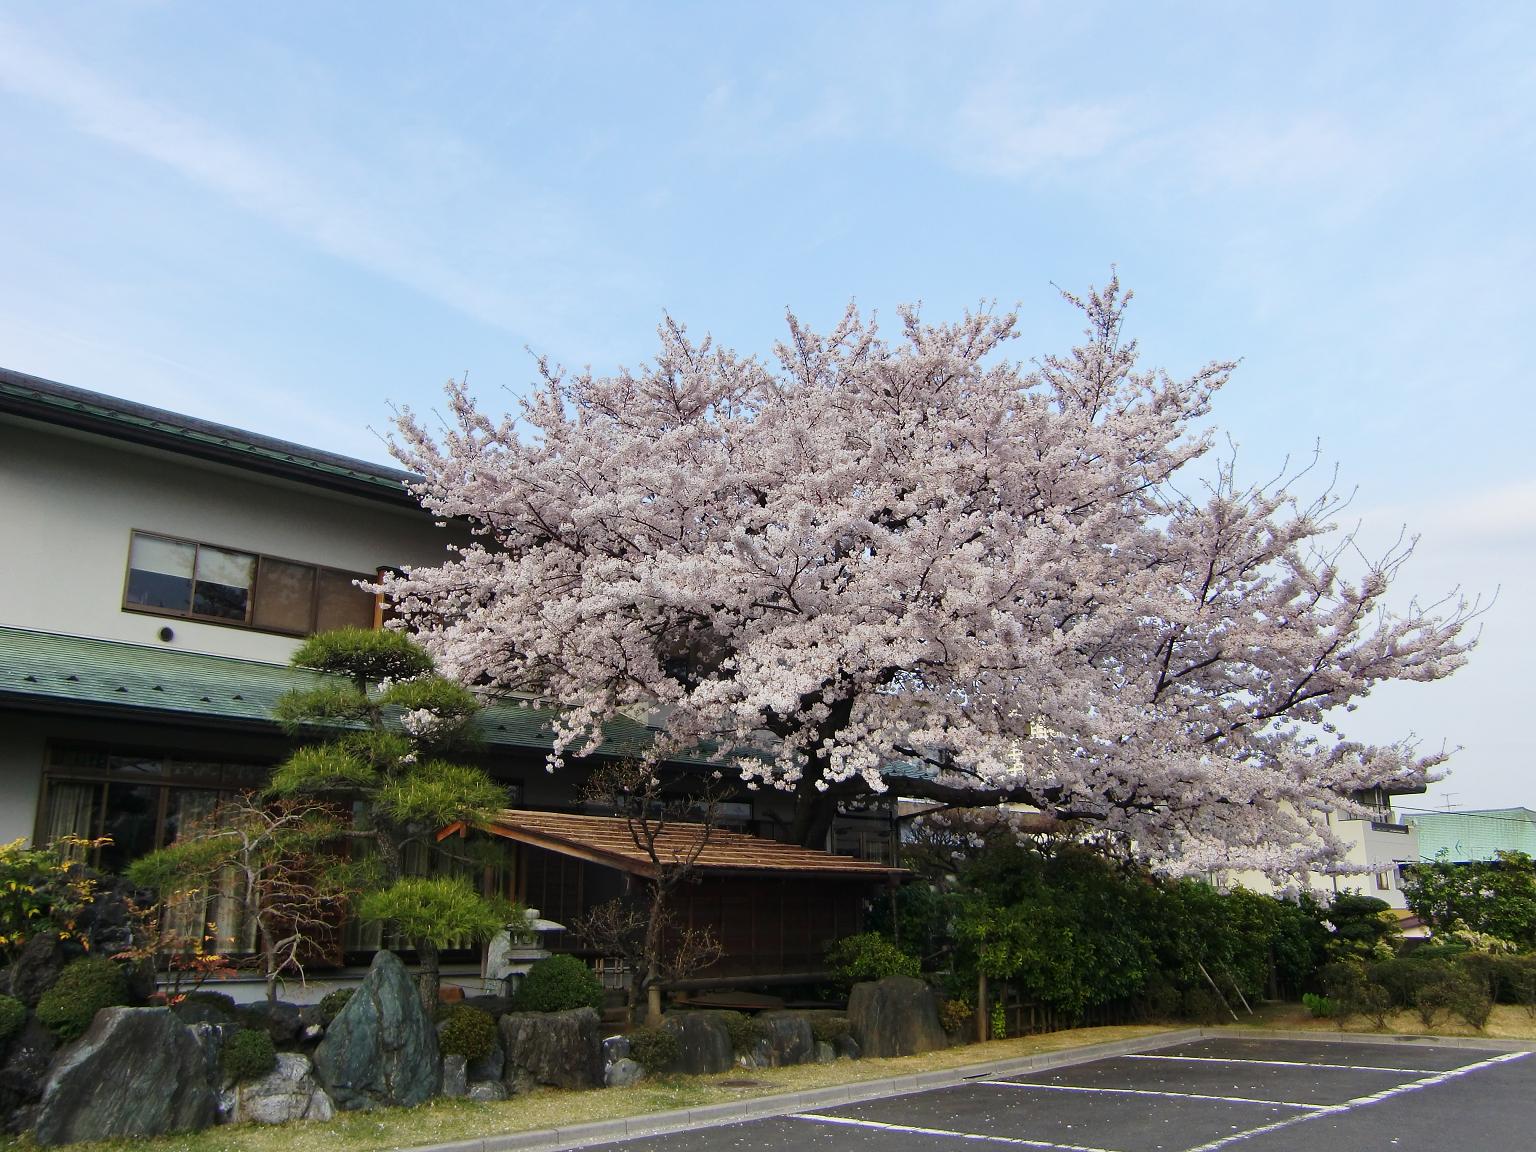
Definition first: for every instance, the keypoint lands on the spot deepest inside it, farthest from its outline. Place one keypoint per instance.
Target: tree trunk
(983, 1017)
(814, 813)
(427, 975)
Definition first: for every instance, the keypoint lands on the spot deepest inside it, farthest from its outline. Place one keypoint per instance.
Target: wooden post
(983, 1017)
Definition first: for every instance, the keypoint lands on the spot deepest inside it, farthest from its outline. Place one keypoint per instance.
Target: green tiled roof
(75, 673)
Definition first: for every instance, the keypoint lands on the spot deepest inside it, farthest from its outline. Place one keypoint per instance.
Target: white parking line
(1147, 1092)
(1280, 1063)
(1361, 1101)
(1017, 1141)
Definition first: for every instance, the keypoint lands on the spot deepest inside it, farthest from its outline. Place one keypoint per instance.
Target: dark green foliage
(657, 1050)
(13, 1014)
(869, 956)
(468, 1031)
(453, 704)
(1340, 978)
(1431, 1000)
(1402, 978)
(248, 1055)
(324, 768)
(363, 654)
(1203, 1006)
(1496, 897)
(831, 1029)
(437, 793)
(334, 1001)
(84, 988)
(558, 984)
(1363, 927)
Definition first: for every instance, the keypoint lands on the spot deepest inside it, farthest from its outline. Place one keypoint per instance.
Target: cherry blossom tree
(869, 561)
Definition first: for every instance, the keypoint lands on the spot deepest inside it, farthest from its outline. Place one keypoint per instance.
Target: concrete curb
(760, 1107)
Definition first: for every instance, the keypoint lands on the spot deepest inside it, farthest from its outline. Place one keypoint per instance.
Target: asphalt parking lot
(1250, 1095)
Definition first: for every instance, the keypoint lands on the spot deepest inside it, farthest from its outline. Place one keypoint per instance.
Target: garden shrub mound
(248, 1055)
(467, 1032)
(84, 987)
(657, 1050)
(558, 984)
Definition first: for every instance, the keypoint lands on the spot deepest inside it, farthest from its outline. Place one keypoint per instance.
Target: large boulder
(704, 1042)
(288, 1092)
(23, 1074)
(381, 1049)
(789, 1036)
(35, 969)
(136, 1072)
(558, 1049)
(897, 1016)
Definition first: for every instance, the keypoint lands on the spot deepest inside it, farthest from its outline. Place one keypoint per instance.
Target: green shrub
(1432, 999)
(333, 1002)
(745, 1031)
(1374, 1003)
(469, 1032)
(1469, 999)
(1321, 1007)
(654, 1049)
(1403, 978)
(248, 1055)
(84, 988)
(13, 1014)
(558, 984)
(831, 1029)
(955, 1015)
(1340, 979)
(870, 956)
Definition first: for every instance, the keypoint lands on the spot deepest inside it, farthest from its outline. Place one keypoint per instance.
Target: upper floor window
(172, 577)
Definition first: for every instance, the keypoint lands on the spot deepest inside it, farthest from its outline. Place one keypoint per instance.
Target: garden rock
(615, 1048)
(455, 1076)
(282, 1021)
(558, 1049)
(136, 1072)
(622, 1073)
(210, 1040)
(23, 1073)
(825, 1053)
(789, 1036)
(897, 1016)
(847, 1048)
(491, 1066)
(487, 1091)
(381, 1050)
(289, 1092)
(35, 970)
(704, 1040)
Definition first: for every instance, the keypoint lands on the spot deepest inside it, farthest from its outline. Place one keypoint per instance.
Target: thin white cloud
(255, 179)
(1001, 130)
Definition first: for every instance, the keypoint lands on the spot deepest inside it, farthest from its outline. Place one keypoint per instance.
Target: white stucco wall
(69, 502)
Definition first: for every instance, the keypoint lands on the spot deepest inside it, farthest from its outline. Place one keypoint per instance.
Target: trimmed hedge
(558, 984)
(469, 1032)
(656, 1050)
(248, 1055)
(85, 987)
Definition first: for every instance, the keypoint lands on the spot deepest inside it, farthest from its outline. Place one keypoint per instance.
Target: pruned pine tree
(382, 729)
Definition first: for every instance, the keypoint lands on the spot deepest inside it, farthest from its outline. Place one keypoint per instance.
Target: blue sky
(285, 216)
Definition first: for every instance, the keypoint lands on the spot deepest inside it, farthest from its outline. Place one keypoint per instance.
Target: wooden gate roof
(607, 840)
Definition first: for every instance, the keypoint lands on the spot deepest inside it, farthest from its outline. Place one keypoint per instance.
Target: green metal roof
(46, 400)
(54, 672)
(1475, 834)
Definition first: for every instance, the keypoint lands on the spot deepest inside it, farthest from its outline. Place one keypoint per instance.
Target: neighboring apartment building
(1475, 834)
(158, 571)
(1376, 849)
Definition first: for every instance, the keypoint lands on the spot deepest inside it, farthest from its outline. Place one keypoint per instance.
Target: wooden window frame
(255, 590)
